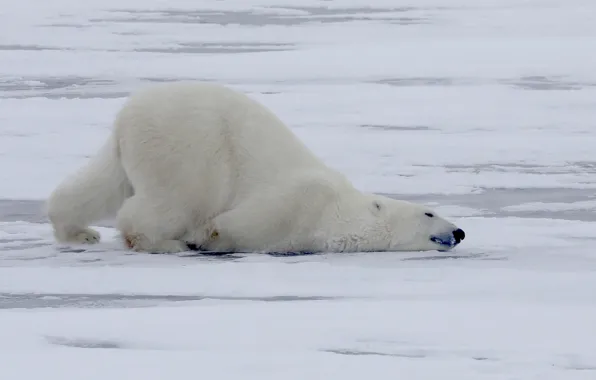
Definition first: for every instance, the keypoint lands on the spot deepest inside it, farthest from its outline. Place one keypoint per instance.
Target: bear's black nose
(459, 235)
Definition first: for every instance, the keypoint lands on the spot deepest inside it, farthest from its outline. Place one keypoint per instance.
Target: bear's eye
(377, 205)
(429, 214)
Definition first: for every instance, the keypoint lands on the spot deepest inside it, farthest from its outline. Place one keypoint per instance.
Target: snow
(481, 109)
(553, 206)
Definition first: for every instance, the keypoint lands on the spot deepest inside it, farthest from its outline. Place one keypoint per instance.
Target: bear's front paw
(86, 236)
(168, 246)
(141, 244)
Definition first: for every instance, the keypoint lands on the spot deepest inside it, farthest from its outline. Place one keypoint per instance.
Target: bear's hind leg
(149, 225)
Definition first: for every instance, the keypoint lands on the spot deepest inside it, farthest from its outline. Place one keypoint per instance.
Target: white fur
(205, 164)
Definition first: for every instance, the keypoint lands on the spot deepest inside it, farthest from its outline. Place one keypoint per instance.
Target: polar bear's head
(379, 223)
(413, 227)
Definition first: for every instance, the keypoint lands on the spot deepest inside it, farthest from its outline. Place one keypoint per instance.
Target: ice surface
(553, 206)
(483, 109)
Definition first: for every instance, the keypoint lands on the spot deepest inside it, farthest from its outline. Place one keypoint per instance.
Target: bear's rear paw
(86, 236)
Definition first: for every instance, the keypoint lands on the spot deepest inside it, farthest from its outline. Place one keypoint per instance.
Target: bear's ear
(376, 207)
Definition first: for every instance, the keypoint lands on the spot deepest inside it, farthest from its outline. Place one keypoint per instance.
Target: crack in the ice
(59, 300)
(410, 354)
(82, 343)
(260, 19)
(414, 355)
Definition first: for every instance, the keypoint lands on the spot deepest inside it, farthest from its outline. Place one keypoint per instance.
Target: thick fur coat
(203, 164)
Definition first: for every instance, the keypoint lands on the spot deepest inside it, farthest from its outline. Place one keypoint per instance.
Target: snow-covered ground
(484, 109)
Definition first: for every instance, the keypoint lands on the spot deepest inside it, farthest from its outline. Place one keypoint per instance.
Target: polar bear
(191, 164)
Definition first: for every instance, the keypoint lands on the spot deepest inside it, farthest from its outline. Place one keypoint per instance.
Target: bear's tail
(96, 191)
